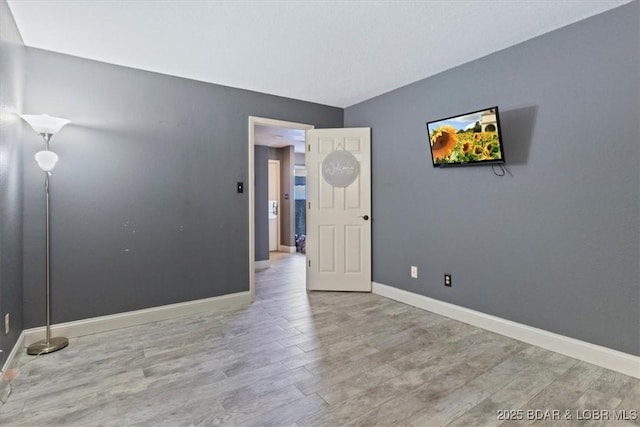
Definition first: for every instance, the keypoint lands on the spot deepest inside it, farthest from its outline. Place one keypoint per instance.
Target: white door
(338, 212)
(274, 208)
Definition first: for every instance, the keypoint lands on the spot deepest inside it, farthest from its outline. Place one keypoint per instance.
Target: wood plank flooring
(323, 359)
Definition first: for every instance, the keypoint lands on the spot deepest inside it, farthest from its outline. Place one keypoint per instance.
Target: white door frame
(250, 185)
(278, 216)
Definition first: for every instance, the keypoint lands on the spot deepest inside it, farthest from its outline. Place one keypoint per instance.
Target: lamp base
(44, 347)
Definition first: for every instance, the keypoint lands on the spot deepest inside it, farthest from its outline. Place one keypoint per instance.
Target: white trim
(10, 363)
(614, 360)
(261, 265)
(111, 322)
(287, 249)
(250, 185)
(251, 194)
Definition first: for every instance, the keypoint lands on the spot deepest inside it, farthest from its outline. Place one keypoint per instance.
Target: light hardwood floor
(293, 359)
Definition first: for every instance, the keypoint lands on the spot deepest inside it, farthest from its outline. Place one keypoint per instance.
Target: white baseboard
(10, 363)
(111, 322)
(614, 360)
(287, 249)
(261, 265)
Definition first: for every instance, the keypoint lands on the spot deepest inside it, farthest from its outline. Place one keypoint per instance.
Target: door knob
(365, 217)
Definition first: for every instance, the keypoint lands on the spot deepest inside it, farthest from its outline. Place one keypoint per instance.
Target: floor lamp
(46, 127)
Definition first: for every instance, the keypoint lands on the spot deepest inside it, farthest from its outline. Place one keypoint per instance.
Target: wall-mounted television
(467, 139)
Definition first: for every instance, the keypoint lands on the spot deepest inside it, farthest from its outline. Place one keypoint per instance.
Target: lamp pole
(48, 257)
(47, 126)
(47, 138)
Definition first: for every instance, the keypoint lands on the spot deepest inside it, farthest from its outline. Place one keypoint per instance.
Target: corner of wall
(11, 191)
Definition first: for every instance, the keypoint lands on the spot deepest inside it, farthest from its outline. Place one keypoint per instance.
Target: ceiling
(277, 137)
(336, 53)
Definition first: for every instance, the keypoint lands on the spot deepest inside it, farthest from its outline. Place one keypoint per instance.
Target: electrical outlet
(7, 324)
(414, 272)
(447, 280)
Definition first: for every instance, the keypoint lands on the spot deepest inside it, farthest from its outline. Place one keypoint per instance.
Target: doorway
(300, 197)
(257, 127)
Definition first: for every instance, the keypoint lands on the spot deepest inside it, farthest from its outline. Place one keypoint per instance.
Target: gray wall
(261, 171)
(144, 203)
(12, 53)
(555, 243)
(287, 200)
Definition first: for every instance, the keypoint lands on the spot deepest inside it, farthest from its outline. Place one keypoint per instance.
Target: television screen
(468, 139)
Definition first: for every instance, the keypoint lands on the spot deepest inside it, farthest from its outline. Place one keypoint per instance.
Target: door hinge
(309, 147)
(309, 205)
(309, 263)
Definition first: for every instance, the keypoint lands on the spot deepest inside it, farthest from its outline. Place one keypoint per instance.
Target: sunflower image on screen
(470, 138)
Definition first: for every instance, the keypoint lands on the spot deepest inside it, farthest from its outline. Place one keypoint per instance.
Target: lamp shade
(46, 160)
(43, 123)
